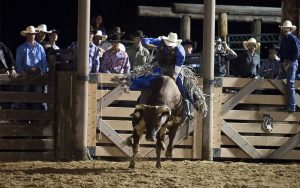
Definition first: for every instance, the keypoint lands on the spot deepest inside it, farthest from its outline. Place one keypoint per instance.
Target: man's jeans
(291, 76)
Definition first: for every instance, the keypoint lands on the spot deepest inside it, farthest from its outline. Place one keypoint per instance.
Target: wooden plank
(29, 97)
(234, 82)
(27, 156)
(197, 137)
(65, 111)
(217, 121)
(21, 80)
(111, 151)
(240, 141)
(92, 114)
(23, 129)
(26, 144)
(238, 153)
(259, 140)
(130, 96)
(120, 112)
(282, 86)
(114, 137)
(258, 115)
(123, 125)
(258, 99)
(26, 115)
(279, 128)
(288, 146)
(102, 139)
(110, 97)
(243, 93)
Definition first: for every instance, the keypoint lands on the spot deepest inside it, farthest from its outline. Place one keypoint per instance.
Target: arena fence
(27, 132)
(109, 114)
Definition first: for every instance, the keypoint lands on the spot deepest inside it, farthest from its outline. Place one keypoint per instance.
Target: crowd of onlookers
(107, 54)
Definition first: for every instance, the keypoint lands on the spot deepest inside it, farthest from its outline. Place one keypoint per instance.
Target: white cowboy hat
(42, 28)
(29, 29)
(288, 24)
(251, 40)
(99, 33)
(171, 40)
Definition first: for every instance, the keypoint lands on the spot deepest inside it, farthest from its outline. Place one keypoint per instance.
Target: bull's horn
(163, 109)
(140, 106)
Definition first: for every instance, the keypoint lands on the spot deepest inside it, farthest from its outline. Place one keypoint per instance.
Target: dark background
(16, 15)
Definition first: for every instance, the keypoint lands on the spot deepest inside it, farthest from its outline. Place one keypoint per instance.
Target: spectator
(223, 54)
(189, 46)
(98, 39)
(248, 62)
(53, 36)
(107, 45)
(271, 68)
(94, 54)
(41, 35)
(115, 60)
(138, 55)
(7, 64)
(31, 61)
(289, 52)
(97, 24)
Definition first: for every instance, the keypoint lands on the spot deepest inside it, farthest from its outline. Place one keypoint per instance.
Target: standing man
(289, 52)
(138, 55)
(31, 61)
(248, 62)
(223, 54)
(41, 35)
(271, 68)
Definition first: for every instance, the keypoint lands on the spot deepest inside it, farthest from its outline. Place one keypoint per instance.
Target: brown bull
(159, 109)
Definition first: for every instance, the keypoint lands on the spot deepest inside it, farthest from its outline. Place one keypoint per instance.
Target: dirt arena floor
(173, 174)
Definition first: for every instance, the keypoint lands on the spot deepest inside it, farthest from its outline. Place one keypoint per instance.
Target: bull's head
(154, 118)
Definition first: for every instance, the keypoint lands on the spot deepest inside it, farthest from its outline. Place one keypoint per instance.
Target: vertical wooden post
(208, 76)
(256, 29)
(223, 25)
(185, 27)
(82, 80)
(290, 11)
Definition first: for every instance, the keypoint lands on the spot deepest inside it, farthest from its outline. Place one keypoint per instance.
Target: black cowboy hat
(190, 42)
(137, 33)
(116, 30)
(115, 38)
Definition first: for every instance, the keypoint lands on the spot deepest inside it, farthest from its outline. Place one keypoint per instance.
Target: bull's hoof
(132, 165)
(158, 165)
(169, 154)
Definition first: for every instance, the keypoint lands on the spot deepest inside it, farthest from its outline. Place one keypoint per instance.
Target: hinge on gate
(93, 78)
(217, 82)
(217, 152)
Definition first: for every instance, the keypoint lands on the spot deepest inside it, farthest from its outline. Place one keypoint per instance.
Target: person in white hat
(248, 62)
(30, 56)
(42, 32)
(31, 61)
(170, 58)
(289, 53)
(98, 39)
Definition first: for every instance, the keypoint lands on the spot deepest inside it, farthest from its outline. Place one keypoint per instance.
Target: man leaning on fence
(289, 52)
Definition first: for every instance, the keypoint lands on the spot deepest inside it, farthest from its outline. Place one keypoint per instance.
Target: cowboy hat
(171, 40)
(138, 33)
(116, 30)
(54, 31)
(42, 28)
(288, 24)
(99, 33)
(273, 46)
(190, 42)
(29, 29)
(115, 38)
(251, 41)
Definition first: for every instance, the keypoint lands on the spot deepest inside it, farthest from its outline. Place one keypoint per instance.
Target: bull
(159, 110)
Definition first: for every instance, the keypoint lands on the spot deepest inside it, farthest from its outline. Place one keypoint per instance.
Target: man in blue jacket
(289, 52)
